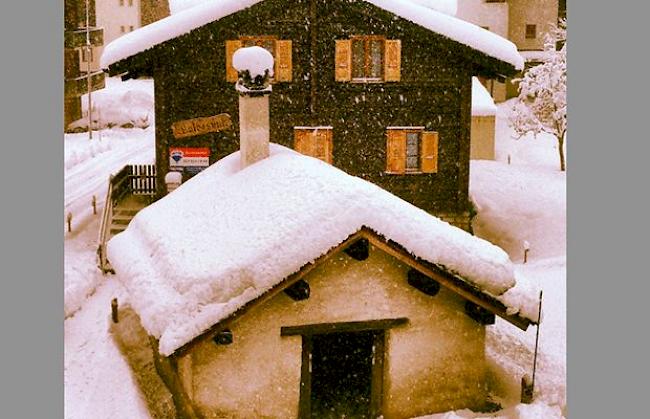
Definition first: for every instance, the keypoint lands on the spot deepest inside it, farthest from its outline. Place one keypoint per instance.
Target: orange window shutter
(429, 155)
(323, 145)
(396, 151)
(231, 47)
(393, 61)
(283, 65)
(343, 60)
(329, 141)
(301, 141)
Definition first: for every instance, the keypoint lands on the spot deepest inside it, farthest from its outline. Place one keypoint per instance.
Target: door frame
(307, 332)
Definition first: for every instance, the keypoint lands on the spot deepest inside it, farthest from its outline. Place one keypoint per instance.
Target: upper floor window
(130, 2)
(86, 54)
(531, 31)
(121, 2)
(131, 28)
(280, 49)
(315, 142)
(122, 29)
(411, 150)
(368, 58)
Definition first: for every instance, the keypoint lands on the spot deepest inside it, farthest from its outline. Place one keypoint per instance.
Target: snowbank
(200, 14)
(125, 104)
(227, 236)
(482, 102)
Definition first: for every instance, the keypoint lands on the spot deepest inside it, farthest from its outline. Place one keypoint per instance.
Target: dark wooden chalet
(365, 89)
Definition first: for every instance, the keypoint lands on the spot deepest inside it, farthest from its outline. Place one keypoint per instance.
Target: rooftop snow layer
(201, 14)
(227, 236)
(482, 102)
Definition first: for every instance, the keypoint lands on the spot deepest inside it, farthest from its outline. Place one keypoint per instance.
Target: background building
(524, 22)
(76, 55)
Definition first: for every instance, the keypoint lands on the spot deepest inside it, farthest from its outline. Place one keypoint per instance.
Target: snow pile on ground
(536, 410)
(87, 166)
(201, 14)
(482, 102)
(119, 104)
(227, 236)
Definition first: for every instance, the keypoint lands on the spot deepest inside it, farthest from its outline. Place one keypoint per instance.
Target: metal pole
(539, 320)
(88, 81)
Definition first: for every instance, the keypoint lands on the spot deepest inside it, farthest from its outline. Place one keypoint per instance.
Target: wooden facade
(424, 81)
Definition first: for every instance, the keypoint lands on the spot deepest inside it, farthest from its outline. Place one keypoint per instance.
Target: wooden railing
(131, 180)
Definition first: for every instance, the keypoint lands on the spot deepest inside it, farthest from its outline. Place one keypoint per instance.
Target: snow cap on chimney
(255, 67)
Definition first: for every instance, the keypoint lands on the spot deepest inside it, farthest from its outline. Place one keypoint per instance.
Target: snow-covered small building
(483, 129)
(378, 88)
(289, 289)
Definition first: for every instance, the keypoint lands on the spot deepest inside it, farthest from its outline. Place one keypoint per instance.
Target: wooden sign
(198, 126)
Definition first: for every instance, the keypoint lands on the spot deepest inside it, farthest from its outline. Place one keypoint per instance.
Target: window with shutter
(411, 150)
(367, 59)
(315, 142)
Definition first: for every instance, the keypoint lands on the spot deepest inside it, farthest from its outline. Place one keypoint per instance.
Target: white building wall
(117, 17)
(435, 363)
(491, 15)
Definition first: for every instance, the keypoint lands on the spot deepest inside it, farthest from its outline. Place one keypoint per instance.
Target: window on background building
(531, 31)
(315, 142)
(368, 58)
(280, 49)
(130, 2)
(122, 29)
(131, 28)
(86, 55)
(121, 2)
(411, 150)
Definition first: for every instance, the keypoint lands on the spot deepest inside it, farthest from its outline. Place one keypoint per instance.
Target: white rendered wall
(435, 363)
(112, 16)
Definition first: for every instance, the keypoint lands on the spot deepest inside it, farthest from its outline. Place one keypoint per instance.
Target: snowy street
(524, 201)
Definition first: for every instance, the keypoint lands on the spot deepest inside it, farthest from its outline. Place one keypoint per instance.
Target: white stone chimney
(255, 67)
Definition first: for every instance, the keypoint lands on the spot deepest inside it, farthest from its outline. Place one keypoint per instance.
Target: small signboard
(189, 159)
(198, 126)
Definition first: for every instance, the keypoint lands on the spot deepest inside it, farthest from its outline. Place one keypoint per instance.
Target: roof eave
(446, 279)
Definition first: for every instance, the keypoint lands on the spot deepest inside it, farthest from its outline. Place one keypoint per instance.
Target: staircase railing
(130, 180)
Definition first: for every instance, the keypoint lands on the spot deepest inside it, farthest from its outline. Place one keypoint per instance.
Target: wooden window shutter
(324, 140)
(302, 141)
(283, 65)
(231, 47)
(393, 61)
(343, 58)
(396, 151)
(429, 156)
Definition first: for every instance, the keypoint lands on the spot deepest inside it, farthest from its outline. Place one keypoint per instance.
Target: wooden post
(526, 390)
(69, 220)
(114, 310)
(94, 205)
(526, 249)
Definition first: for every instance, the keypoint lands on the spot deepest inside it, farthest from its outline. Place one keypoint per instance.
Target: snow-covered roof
(201, 14)
(227, 236)
(482, 102)
(535, 55)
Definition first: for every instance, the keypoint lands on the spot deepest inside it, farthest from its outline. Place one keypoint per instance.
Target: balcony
(77, 37)
(79, 85)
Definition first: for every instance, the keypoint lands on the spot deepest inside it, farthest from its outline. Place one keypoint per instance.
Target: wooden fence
(130, 180)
